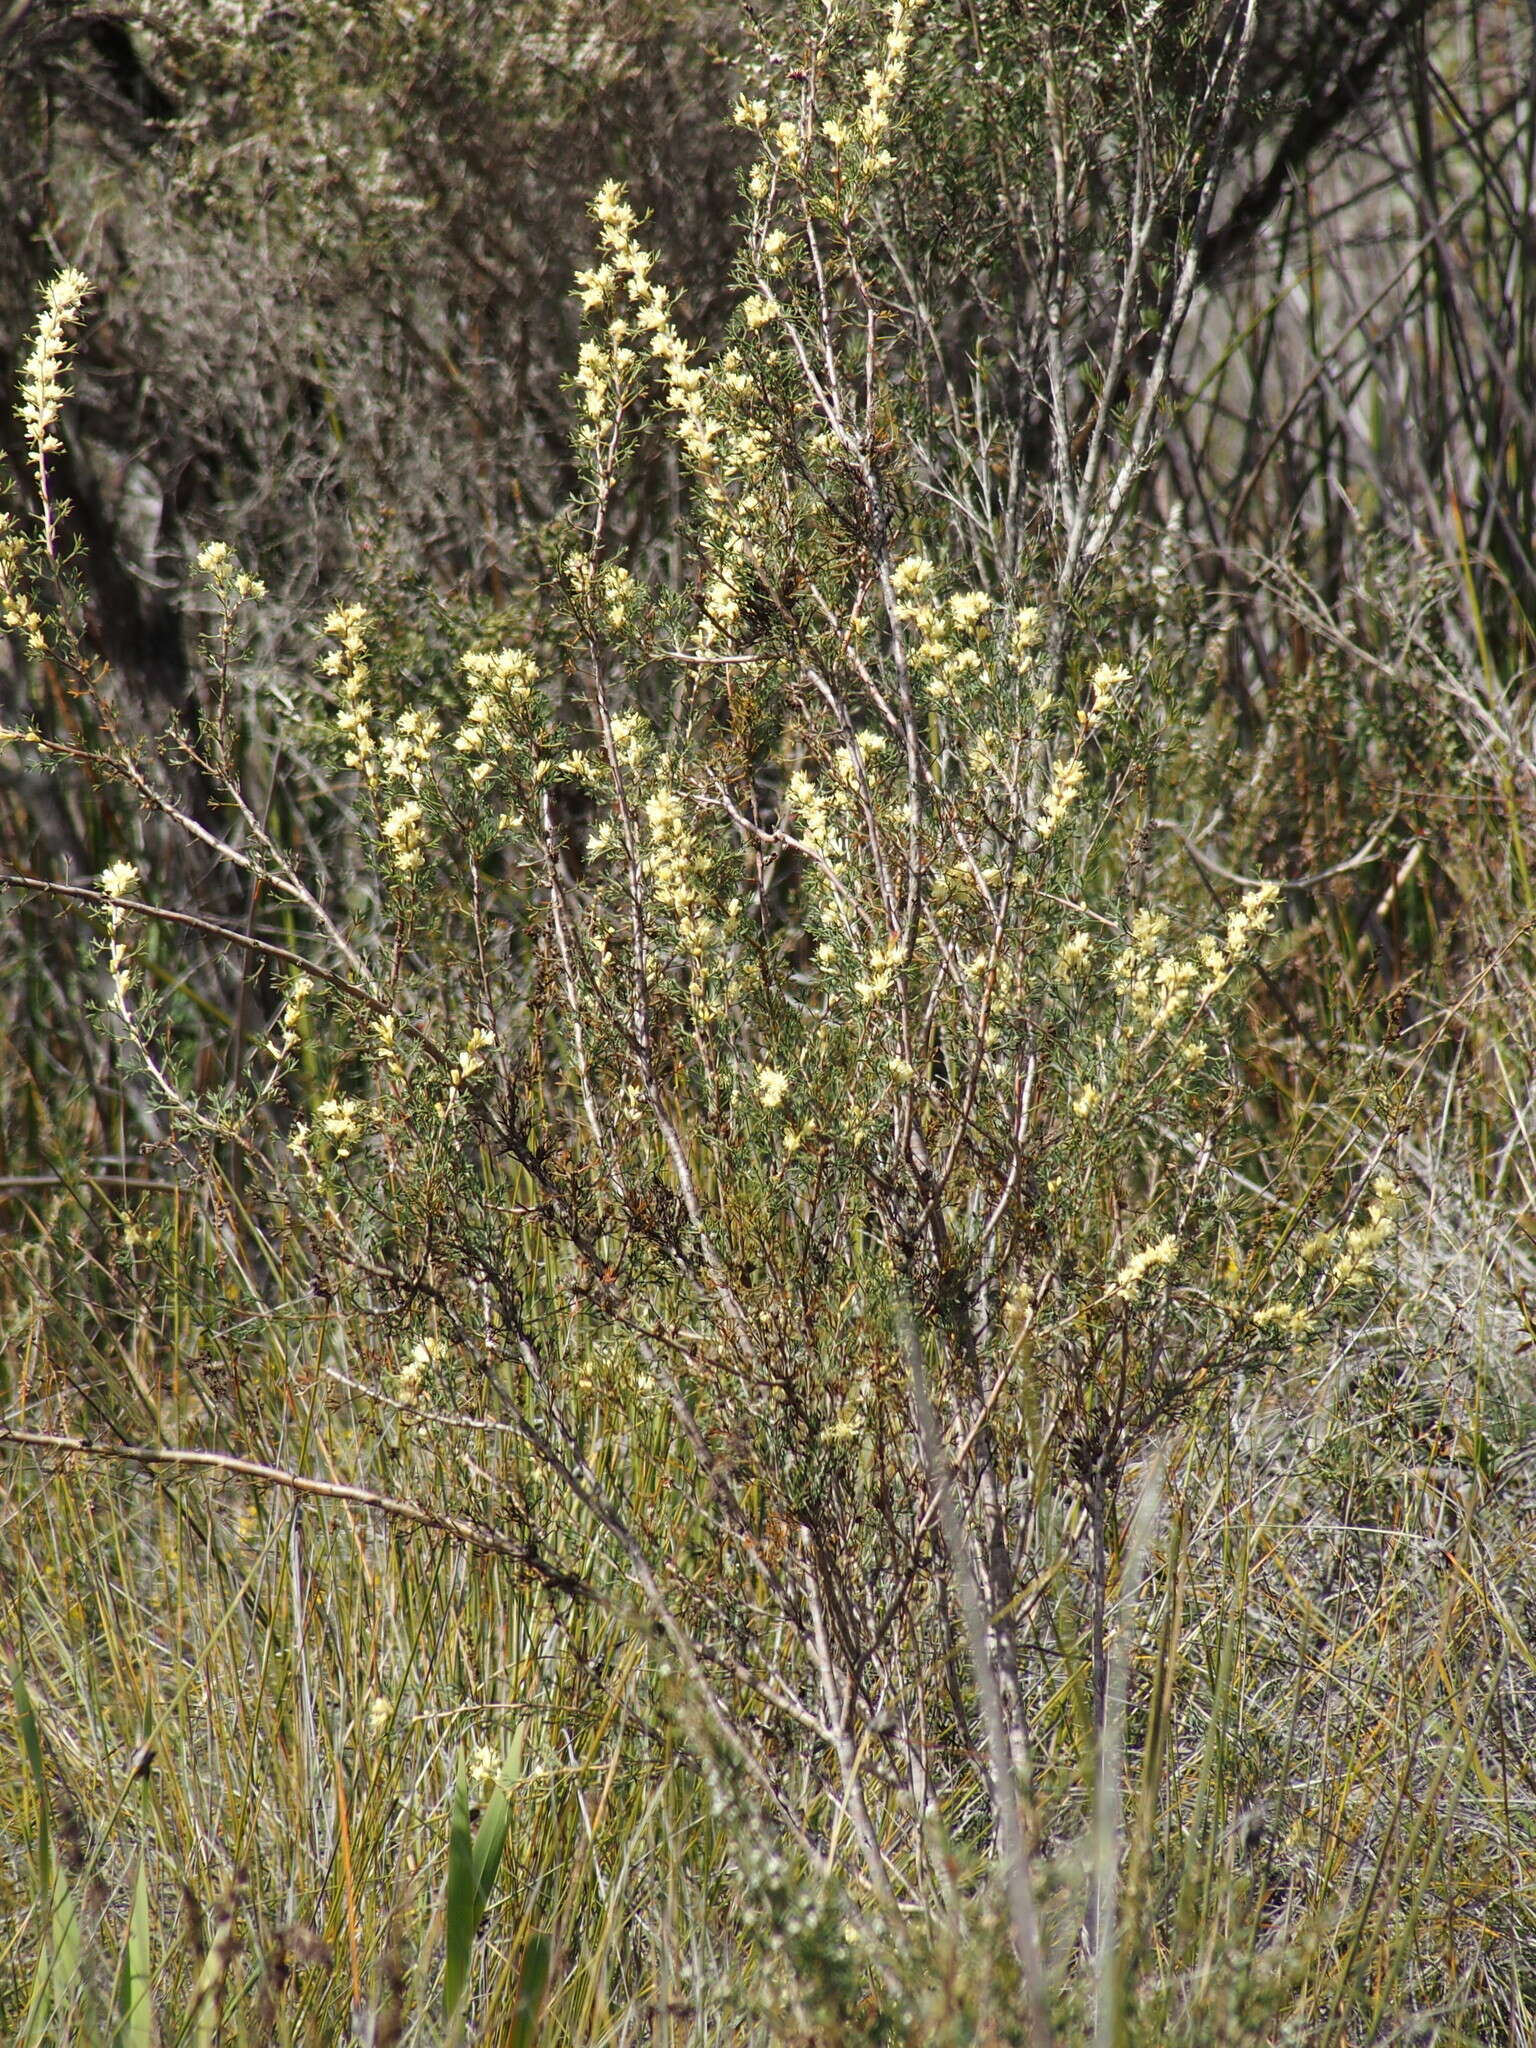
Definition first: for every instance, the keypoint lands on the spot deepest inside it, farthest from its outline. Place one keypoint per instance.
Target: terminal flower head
(119, 880)
(772, 1087)
(1136, 1269)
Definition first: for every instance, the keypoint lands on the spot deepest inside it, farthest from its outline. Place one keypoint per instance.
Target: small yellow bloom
(911, 575)
(426, 1354)
(1152, 1257)
(1073, 956)
(1066, 782)
(1028, 626)
(119, 880)
(484, 1771)
(341, 1118)
(772, 1087)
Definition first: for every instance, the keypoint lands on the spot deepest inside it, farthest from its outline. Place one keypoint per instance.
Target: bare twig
(1017, 1877)
(477, 1536)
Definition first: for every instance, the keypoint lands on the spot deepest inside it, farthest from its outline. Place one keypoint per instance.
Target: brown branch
(234, 935)
(476, 1536)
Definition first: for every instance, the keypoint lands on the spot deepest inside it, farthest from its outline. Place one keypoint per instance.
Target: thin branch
(1017, 1878)
(476, 1536)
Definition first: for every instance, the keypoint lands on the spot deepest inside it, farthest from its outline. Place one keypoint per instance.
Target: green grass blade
(58, 1958)
(459, 1913)
(57, 1976)
(135, 2027)
(532, 1977)
(32, 1749)
(490, 1840)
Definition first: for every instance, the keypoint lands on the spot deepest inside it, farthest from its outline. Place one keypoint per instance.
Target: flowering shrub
(752, 1028)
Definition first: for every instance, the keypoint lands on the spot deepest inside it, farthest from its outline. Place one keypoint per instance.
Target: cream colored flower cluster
(946, 649)
(1346, 1259)
(404, 834)
(618, 593)
(340, 1120)
(405, 760)
(634, 743)
(470, 1060)
(1073, 956)
(118, 883)
(504, 692)
(882, 84)
(964, 880)
(484, 1771)
(879, 975)
(772, 1087)
(398, 758)
(858, 139)
(855, 767)
(1282, 1319)
(621, 289)
(216, 560)
(951, 651)
(1069, 771)
(1066, 786)
(386, 1033)
(347, 665)
(635, 308)
(826, 819)
(476, 737)
(406, 750)
(1163, 987)
(682, 875)
(285, 1034)
(1142, 1265)
(671, 856)
(424, 1360)
(1363, 1241)
(816, 814)
(42, 379)
(121, 879)
(18, 613)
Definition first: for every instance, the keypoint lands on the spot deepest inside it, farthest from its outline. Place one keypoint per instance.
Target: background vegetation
(441, 1603)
